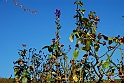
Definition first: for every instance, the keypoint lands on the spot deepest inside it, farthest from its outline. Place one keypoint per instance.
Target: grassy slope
(6, 80)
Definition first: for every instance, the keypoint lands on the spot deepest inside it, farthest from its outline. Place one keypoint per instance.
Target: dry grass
(6, 80)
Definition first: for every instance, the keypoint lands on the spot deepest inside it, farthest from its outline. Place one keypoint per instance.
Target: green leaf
(56, 47)
(96, 47)
(16, 72)
(76, 34)
(91, 13)
(85, 20)
(25, 73)
(24, 80)
(50, 48)
(71, 38)
(115, 40)
(75, 54)
(105, 64)
(82, 11)
(93, 30)
(79, 40)
(88, 43)
(83, 48)
(16, 77)
(81, 3)
(50, 79)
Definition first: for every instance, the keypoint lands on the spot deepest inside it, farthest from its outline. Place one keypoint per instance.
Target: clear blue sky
(37, 30)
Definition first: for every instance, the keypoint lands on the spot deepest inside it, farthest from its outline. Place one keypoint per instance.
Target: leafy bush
(55, 67)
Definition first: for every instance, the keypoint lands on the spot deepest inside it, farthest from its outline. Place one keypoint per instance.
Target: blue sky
(36, 30)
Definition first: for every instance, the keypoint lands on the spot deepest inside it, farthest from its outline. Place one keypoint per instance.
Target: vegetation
(55, 66)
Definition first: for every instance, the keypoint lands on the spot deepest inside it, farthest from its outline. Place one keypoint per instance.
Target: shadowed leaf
(45, 47)
(88, 43)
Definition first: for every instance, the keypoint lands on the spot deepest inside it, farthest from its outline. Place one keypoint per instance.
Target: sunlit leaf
(105, 64)
(25, 73)
(71, 38)
(75, 78)
(48, 76)
(16, 77)
(24, 80)
(16, 72)
(81, 3)
(91, 13)
(115, 40)
(93, 30)
(82, 11)
(75, 54)
(54, 73)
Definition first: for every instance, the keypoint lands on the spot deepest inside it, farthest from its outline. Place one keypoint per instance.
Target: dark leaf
(96, 47)
(121, 40)
(105, 37)
(110, 42)
(77, 45)
(45, 47)
(88, 43)
(85, 55)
